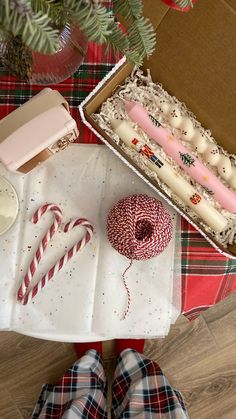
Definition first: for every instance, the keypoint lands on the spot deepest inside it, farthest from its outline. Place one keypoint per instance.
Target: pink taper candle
(181, 155)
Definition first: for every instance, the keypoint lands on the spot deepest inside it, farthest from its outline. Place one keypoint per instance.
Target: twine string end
(127, 290)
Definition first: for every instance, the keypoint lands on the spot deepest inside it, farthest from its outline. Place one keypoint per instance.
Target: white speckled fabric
(86, 299)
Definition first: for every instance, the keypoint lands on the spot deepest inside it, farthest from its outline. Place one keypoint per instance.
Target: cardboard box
(195, 61)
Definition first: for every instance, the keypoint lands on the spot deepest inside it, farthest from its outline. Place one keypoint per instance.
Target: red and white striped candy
(55, 209)
(64, 259)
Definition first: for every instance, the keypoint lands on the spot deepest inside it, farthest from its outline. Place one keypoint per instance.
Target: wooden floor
(199, 359)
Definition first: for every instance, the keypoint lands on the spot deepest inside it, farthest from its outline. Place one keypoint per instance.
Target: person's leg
(122, 344)
(80, 393)
(141, 390)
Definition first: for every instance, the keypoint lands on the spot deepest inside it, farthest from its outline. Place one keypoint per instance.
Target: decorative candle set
(170, 146)
(170, 177)
(195, 137)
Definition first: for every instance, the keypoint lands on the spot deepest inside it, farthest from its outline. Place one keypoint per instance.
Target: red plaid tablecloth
(207, 276)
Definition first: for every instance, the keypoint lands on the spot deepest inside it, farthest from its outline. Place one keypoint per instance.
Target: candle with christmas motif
(170, 177)
(181, 155)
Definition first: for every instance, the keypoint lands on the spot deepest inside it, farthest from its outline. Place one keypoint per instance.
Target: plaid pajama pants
(140, 390)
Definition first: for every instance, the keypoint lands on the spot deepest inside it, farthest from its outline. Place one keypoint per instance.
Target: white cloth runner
(86, 299)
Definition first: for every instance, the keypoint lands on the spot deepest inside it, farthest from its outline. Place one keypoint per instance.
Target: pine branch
(135, 58)
(130, 9)
(142, 37)
(31, 21)
(34, 28)
(117, 39)
(183, 3)
(92, 19)
(39, 35)
(23, 7)
(55, 10)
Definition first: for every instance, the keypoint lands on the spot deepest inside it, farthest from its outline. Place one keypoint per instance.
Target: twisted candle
(175, 149)
(211, 154)
(186, 192)
(210, 151)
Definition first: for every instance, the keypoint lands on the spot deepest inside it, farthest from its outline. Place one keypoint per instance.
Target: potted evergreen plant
(32, 30)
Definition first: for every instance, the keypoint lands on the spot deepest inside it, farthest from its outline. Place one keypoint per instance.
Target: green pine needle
(129, 9)
(117, 39)
(34, 22)
(142, 37)
(18, 18)
(39, 36)
(135, 58)
(92, 19)
(55, 10)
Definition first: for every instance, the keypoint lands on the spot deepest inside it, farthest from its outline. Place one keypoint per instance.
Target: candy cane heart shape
(64, 259)
(55, 209)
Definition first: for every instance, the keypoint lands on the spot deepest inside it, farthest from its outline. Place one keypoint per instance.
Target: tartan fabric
(139, 390)
(207, 276)
(80, 393)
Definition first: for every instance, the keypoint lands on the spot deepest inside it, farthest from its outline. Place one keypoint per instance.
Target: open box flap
(195, 62)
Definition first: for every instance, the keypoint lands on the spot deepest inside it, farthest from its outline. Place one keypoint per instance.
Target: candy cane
(64, 259)
(46, 239)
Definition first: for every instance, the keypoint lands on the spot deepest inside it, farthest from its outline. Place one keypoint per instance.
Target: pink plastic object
(42, 124)
(181, 155)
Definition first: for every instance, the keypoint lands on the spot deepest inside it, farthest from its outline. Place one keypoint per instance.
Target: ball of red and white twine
(139, 227)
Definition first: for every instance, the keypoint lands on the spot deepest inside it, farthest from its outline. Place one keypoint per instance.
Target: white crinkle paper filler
(85, 301)
(139, 87)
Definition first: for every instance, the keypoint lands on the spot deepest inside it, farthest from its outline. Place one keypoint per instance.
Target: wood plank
(221, 320)
(220, 309)
(198, 358)
(184, 346)
(209, 386)
(231, 4)
(8, 408)
(27, 363)
(31, 357)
